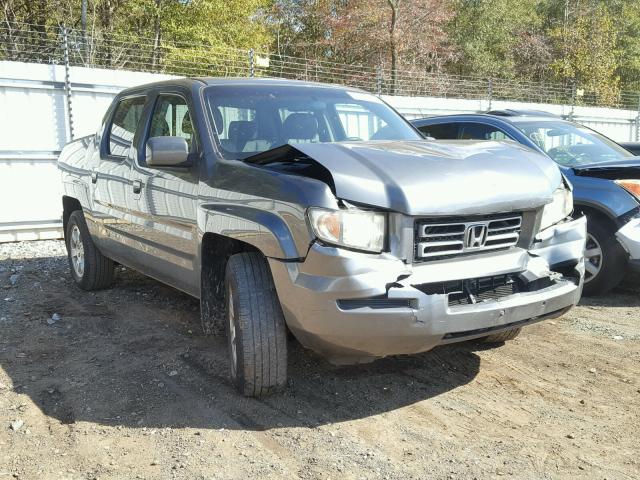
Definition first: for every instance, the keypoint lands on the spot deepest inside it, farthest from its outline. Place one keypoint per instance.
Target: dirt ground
(120, 384)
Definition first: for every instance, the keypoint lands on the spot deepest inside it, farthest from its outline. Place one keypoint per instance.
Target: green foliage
(236, 23)
(627, 22)
(587, 54)
(590, 44)
(490, 33)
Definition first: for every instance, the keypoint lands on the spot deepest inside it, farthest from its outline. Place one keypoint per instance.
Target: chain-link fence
(52, 45)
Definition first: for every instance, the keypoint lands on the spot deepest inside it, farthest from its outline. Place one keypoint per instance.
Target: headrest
(474, 132)
(300, 126)
(217, 119)
(244, 129)
(187, 126)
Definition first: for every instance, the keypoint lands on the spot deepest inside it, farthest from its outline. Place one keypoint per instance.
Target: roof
(512, 112)
(268, 81)
(511, 117)
(190, 81)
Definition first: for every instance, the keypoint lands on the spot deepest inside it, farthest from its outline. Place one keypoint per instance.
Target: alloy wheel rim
(592, 258)
(232, 335)
(77, 251)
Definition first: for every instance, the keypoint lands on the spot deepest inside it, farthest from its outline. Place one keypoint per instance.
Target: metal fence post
(490, 92)
(252, 63)
(378, 80)
(67, 80)
(573, 101)
(638, 122)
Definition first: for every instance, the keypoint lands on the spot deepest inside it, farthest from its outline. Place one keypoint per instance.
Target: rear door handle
(94, 176)
(137, 186)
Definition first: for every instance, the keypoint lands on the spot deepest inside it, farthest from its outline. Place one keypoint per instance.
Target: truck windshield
(572, 145)
(250, 119)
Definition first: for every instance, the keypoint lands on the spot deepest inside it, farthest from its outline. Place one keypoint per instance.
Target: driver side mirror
(167, 152)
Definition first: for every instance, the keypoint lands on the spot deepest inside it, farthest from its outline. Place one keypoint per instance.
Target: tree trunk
(155, 58)
(393, 47)
(83, 24)
(107, 12)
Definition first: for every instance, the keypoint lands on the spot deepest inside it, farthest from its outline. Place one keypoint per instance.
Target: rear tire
(256, 331)
(89, 268)
(605, 259)
(502, 336)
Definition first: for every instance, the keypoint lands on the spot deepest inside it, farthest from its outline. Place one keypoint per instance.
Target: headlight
(631, 186)
(559, 209)
(356, 229)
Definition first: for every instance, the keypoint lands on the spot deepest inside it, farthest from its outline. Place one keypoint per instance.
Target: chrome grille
(444, 238)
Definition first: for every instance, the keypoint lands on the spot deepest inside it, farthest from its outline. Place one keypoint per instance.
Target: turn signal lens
(559, 209)
(329, 226)
(357, 229)
(631, 186)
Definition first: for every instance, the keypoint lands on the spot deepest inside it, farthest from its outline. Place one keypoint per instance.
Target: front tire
(502, 336)
(89, 268)
(256, 331)
(605, 259)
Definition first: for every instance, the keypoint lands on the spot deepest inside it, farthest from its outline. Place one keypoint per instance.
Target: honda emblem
(475, 237)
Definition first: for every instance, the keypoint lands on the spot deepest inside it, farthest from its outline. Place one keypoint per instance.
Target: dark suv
(605, 176)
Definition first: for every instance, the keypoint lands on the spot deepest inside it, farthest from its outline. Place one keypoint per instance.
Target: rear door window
(441, 131)
(123, 125)
(480, 131)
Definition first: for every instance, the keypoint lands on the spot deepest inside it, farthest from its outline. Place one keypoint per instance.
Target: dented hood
(437, 178)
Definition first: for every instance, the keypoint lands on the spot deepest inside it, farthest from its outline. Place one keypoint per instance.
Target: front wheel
(256, 331)
(502, 336)
(605, 260)
(89, 268)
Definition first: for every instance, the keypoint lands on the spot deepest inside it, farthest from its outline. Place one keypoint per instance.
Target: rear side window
(480, 131)
(123, 125)
(441, 131)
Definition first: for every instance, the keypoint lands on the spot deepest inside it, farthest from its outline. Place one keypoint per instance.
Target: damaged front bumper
(629, 238)
(353, 307)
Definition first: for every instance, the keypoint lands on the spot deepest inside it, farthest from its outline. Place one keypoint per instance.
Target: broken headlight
(357, 229)
(559, 209)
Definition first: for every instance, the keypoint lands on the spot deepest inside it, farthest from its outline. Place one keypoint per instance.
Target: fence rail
(45, 44)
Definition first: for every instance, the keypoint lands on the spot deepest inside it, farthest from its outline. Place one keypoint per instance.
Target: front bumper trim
(314, 294)
(629, 237)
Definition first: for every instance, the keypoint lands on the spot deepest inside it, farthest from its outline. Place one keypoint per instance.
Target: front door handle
(94, 176)
(137, 186)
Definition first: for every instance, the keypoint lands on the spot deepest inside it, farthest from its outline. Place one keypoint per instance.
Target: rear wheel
(256, 331)
(605, 259)
(502, 336)
(89, 268)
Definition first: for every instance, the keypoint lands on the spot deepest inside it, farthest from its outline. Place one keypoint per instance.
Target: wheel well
(69, 205)
(215, 252)
(596, 213)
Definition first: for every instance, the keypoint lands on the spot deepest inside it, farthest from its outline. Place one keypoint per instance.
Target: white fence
(34, 127)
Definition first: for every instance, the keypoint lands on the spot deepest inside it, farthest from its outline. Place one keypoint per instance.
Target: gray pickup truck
(319, 210)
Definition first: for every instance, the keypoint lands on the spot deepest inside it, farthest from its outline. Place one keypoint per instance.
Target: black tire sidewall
(261, 350)
(231, 286)
(98, 269)
(76, 219)
(614, 261)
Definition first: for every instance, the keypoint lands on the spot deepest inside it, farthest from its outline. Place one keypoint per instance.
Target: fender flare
(264, 230)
